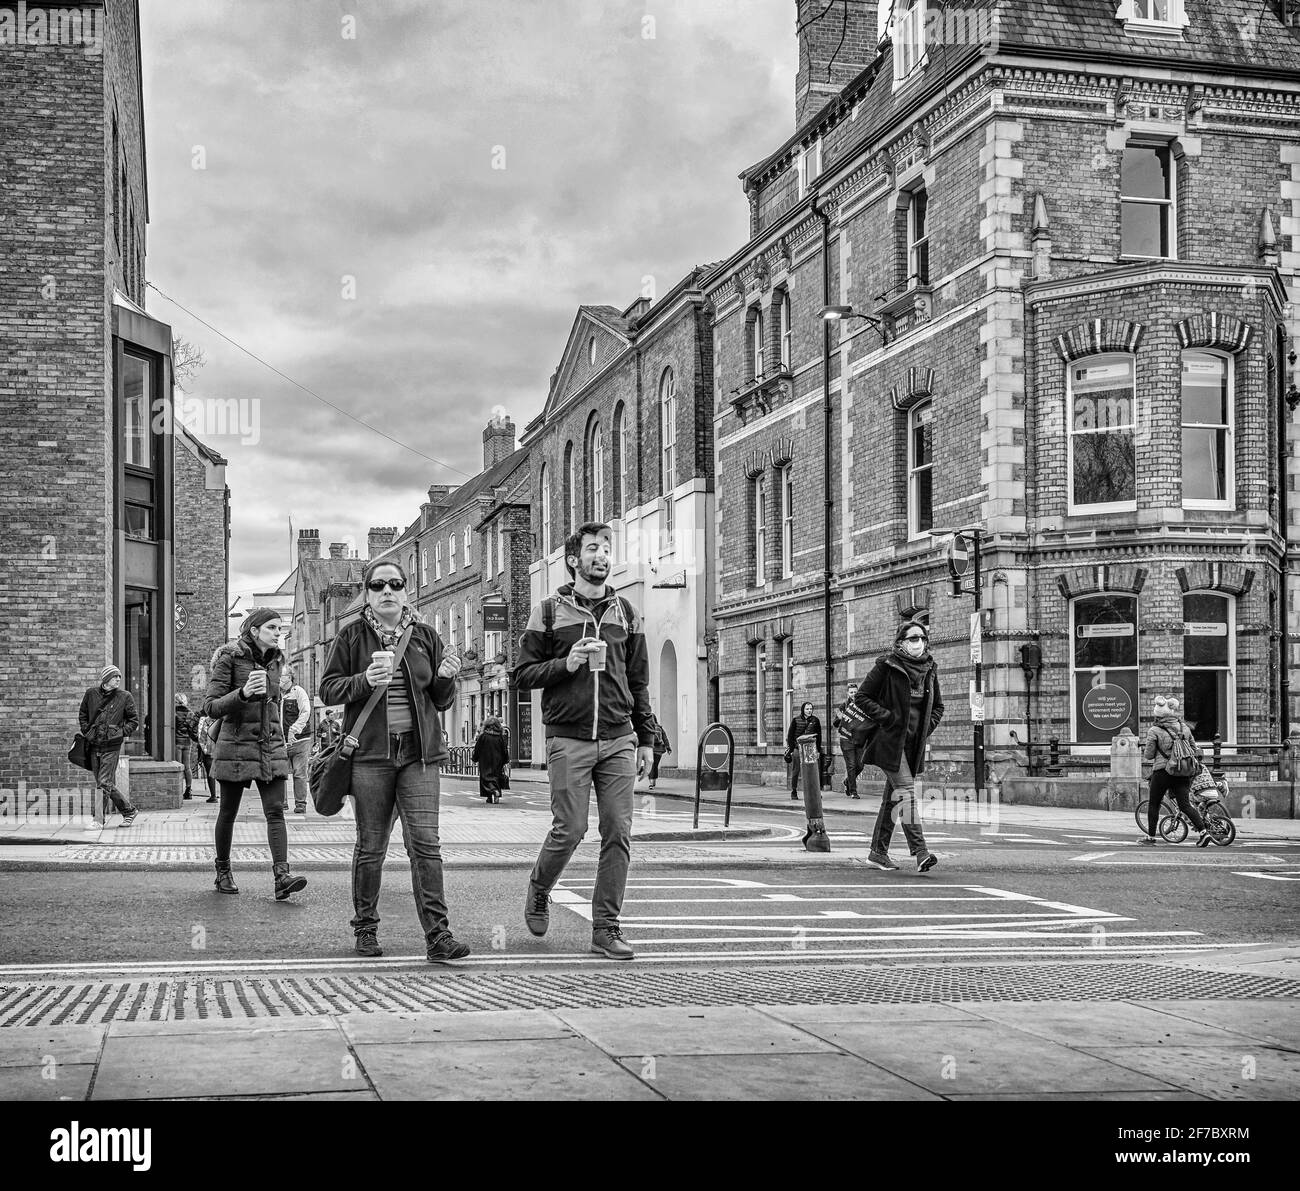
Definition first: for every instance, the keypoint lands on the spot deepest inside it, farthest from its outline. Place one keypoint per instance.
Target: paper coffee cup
(596, 656)
(386, 657)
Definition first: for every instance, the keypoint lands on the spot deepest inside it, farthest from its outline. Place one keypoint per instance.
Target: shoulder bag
(329, 773)
(79, 753)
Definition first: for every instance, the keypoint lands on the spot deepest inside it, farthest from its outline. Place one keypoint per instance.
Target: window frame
(468, 545)
(785, 326)
(571, 483)
(620, 471)
(1230, 670)
(1169, 203)
(916, 246)
(596, 448)
(760, 695)
(756, 346)
(1229, 500)
(908, 35)
(668, 448)
(545, 487)
(786, 482)
(914, 532)
(1123, 506)
(1091, 747)
(760, 529)
(787, 680)
(451, 553)
(437, 560)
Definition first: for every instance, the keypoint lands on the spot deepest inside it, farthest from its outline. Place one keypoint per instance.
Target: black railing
(1055, 756)
(460, 761)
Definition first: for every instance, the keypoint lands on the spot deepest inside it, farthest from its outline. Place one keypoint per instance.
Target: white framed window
(437, 559)
(808, 164)
(760, 696)
(1153, 16)
(1209, 662)
(668, 451)
(760, 530)
(451, 555)
(787, 681)
(787, 521)
(1103, 667)
(570, 488)
(501, 548)
(786, 334)
(437, 623)
(469, 538)
(918, 239)
(909, 37)
(1101, 407)
(920, 469)
(591, 351)
(469, 624)
(546, 510)
(1207, 431)
(756, 333)
(1147, 202)
(491, 645)
(620, 461)
(597, 473)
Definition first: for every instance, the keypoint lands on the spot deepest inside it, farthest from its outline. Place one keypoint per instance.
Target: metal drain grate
(192, 998)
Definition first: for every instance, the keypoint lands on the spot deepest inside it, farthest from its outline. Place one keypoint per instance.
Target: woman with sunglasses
(244, 694)
(901, 696)
(395, 765)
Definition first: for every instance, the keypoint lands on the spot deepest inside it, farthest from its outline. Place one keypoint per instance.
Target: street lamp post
(957, 560)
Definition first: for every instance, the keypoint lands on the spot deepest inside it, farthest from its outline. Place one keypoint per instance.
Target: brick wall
(202, 562)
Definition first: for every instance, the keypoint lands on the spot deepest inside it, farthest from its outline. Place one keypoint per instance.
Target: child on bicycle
(1167, 728)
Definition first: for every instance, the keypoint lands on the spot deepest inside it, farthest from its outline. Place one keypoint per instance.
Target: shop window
(1209, 647)
(140, 648)
(1103, 666)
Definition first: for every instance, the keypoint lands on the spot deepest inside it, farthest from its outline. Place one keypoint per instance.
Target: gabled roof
(612, 332)
(316, 574)
(483, 483)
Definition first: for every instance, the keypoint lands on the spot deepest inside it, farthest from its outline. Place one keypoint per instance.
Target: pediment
(608, 328)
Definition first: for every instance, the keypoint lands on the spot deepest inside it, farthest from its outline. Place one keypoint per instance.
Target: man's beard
(587, 573)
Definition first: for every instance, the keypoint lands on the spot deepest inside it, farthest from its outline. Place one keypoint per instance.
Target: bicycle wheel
(1222, 829)
(1140, 815)
(1173, 828)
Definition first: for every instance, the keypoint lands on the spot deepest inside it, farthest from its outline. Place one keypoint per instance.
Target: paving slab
(1025, 1097)
(256, 1027)
(1248, 1072)
(366, 1095)
(1101, 1023)
(688, 1030)
(1276, 1022)
(23, 1047)
(71, 1082)
(238, 1063)
(519, 1069)
(489, 1026)
(977, 1057)
(772, 1077)
(889, 1012)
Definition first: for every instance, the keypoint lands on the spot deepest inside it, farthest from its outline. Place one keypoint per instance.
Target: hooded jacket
(1160, 740)
(344, 682)
(118, 721)
(588, 704)
(885, 696)
(250, 742)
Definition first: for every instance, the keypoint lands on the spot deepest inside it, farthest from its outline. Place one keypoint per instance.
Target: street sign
(715, 767)
(958, 555)
(976, 704)
(180, 617)
(976, 639)
(716, 749)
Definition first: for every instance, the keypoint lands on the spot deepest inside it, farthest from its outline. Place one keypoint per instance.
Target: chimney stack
(308, 545)
(435, 508)
(498, 439)
(819, 43)
(379, 539)
(338, 549)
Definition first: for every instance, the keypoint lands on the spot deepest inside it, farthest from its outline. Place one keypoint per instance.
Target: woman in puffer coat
(244, 694)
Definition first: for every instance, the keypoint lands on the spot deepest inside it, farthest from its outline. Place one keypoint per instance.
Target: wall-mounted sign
(180, 617)
(496, 615)
(1211, 629)
(1107, 708)
(1105, 630)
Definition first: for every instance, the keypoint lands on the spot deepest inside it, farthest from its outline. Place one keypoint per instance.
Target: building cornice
(1142, 273)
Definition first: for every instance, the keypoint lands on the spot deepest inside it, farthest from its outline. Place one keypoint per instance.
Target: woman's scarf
(389, 637)
(918, 669)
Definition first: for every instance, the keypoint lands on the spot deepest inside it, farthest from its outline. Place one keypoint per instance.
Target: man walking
(186, 740)
(585, 649)
(107, 717)
(295, 712)
(853, 739)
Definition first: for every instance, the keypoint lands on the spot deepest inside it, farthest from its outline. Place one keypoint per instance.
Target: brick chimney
(498, 439)
(819, 37)
(435, 508)
(308, 545)
(379, 539)
(338, 549)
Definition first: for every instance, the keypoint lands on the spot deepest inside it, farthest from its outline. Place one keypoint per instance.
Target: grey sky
(372, 158)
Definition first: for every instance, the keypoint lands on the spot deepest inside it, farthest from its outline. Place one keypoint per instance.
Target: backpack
(548, 620)
(1182, 759)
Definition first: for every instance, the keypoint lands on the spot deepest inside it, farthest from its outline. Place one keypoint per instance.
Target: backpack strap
(548, 624)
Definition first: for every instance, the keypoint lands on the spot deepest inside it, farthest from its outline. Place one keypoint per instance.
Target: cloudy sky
(335, 204)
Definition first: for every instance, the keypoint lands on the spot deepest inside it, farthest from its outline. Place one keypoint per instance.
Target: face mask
(914, 649)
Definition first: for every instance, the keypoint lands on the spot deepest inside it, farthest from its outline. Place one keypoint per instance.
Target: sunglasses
(380, 584)
(913, 637)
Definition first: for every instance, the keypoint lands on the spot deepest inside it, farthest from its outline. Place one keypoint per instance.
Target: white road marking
(1091, 856)
(1271, 876)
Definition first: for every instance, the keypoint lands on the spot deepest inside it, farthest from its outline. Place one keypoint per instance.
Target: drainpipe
(826, 473)
(1284, 407)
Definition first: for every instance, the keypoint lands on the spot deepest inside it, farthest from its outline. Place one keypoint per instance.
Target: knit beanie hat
(107, 672)
(1163, 706)
(258, 617)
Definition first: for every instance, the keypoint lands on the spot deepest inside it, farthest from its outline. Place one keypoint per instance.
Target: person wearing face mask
(107, 717)
(244, 693)
(803, 724)
(901, 696)
(400, 746)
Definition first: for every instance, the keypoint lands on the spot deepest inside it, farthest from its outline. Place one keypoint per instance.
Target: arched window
(619, 506)
(1101, 413)
(437, 559)
(596, 465)
(783, 310)
(451, 554)
(668, 452)
(546, 512)
(920, 469)
(570, 489)
(1209, 648)
(1207, 430)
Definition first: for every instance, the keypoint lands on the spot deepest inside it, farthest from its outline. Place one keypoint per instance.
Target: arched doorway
(667, 709)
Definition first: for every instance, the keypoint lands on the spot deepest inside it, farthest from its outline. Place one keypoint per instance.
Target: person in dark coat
(186, 727)
(205, 746)
(852, 740)
(244, 694)
(395, 765)
(901, 696)
(661, 747)
(491, 753)
(107, 717)
(804, 724)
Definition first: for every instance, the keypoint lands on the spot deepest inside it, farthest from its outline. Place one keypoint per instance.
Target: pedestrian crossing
(691, 917)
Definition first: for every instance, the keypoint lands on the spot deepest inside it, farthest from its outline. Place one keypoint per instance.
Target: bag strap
(379, 691)
(548, 623)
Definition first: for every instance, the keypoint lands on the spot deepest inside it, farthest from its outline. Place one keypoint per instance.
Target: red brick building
(85, 377)
(1077, 267)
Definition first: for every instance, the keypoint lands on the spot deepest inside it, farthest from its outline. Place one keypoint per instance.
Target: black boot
(285, 882)
(225, 883)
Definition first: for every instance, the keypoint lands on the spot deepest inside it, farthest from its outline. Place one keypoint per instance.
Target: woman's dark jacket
(799, 726)
(118, 721)
(492, 753)
(186, 725)
(250, 743)
(344, 682)
(885, 696)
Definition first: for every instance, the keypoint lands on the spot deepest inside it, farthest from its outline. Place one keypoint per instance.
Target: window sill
(1136, 258)
(1139, 28)
(1100, 510)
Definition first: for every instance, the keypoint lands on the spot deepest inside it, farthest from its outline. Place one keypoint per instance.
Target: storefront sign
(1212, 629)
(1105, 630)
(495, 616)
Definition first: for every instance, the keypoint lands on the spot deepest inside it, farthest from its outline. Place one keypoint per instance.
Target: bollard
(1216, 769)
(815, 838)
(1054, 756)
(1126, 764)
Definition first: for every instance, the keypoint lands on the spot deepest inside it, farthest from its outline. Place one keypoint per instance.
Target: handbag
(79, 753)
(504, 783)
(329, 772)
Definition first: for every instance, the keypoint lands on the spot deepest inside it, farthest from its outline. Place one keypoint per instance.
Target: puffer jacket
(250, 743)
(885, 696)
(344, 682)
(118, 721)
(1160, 740)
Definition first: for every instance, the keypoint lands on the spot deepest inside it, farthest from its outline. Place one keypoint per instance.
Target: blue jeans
(381, 786)
(898, 805)
(185, 755)
(298, 753)
(575, 767)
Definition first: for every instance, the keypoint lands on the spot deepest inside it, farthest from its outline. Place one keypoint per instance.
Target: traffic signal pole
(978, 635)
